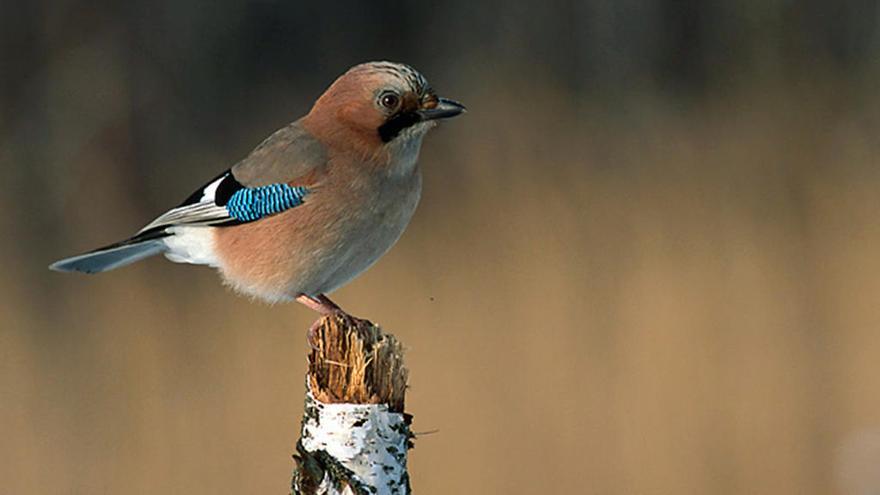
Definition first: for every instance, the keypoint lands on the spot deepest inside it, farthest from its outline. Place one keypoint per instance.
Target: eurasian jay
(311, 207)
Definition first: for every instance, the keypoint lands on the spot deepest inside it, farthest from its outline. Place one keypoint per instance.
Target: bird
(311, 207)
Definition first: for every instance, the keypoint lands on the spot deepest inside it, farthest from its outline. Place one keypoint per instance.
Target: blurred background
(646, 261)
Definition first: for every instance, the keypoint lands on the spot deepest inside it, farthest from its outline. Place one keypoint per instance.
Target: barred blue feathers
(253, 203)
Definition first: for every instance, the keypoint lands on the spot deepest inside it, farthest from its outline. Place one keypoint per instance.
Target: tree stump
(355, 434)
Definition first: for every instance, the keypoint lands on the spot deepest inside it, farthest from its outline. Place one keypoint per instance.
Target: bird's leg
(328, 303)
(322, 304)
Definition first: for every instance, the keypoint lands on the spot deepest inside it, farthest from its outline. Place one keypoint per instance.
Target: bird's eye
(389, 100)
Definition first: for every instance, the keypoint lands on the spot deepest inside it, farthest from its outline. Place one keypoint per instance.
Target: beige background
(605, 290)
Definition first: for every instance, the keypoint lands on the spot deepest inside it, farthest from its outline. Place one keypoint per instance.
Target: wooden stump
(355, 434)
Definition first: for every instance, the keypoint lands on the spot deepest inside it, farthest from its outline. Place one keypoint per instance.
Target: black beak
(445, 109)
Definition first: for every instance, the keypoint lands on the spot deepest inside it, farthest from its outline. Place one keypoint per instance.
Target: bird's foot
(323, 305)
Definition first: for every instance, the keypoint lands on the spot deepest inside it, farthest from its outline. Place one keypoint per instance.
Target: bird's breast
(368, 231)
(344, 226)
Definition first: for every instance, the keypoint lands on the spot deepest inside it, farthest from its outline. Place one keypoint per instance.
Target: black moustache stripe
(390, 129)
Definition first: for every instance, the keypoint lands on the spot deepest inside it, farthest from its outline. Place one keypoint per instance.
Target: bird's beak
(443, 109)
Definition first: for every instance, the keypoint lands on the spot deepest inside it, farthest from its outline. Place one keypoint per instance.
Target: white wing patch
(210, 191)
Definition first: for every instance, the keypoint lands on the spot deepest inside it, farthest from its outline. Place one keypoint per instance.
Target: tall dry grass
(643, 298)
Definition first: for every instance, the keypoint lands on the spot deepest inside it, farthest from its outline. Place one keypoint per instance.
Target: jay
(314, 205)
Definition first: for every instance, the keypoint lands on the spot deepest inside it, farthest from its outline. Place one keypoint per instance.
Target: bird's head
(380, 104)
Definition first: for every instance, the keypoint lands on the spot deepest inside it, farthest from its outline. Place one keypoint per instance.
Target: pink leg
(327, 302)
(322, 304)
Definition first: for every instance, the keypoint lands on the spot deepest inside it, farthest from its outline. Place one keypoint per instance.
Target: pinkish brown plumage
(314, 205)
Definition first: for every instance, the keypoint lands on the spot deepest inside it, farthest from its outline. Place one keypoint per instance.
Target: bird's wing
(257, 186)
(289, 153)
(201, 207)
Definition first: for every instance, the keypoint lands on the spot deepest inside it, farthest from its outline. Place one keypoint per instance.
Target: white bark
(366, 442)
(355, 435)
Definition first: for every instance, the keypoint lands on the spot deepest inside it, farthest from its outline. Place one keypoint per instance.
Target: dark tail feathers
(115, 255)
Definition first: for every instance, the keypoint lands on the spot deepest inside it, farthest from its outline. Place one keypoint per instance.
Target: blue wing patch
(252, 203)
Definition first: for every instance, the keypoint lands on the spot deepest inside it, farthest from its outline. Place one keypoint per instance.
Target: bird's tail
(115, 255)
